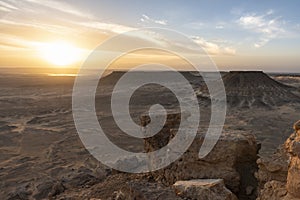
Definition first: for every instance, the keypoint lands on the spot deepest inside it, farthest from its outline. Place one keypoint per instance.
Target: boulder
(203, 189)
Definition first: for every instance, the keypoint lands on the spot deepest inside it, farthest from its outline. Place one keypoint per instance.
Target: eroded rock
(293, 147)
(203, 189)
(288, 189)
(297, 126)
(144, 190)
(275, 190)
(232, 159)
(272, 168)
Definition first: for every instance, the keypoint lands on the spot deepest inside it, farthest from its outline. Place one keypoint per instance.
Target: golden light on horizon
(60, 53)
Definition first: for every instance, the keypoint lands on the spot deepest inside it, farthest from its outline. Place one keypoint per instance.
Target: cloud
(60, 6)
(229, 51)
(268, 26)
(7, 7)
(11, 41)
(214, 48)
(36, 20)
(147, 19)
(221, 25)
(195, 25)
(116, 28)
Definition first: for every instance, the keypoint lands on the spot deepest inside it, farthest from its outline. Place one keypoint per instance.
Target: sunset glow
(237, 35)
(60, 53)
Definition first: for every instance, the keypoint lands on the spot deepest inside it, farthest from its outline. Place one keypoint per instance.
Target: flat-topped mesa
(255, 88)
(113, 77)
(241, 71)
(233, 159)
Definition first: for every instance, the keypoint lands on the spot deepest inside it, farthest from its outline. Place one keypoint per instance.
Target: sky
(238, 35)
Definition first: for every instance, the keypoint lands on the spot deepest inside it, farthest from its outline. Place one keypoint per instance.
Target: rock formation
(288, 189)
(255, 88)
(193, 77)
(144, 190)
(273, 167)
(203, 189)
(293, 148)
(233, 159)
(272, 175)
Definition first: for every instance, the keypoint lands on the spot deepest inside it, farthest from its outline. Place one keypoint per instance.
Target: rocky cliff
(280, 175)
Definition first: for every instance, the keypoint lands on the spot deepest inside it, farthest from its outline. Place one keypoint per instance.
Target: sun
(60, 53)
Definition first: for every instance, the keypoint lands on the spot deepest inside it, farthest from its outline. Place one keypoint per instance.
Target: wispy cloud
(195, 25)
(15, 42)
(220, 25)
(147, 19)
(268, 26)
(116, 28)
(60, 6)
(55, 19)
(7, 7)
(214, 48)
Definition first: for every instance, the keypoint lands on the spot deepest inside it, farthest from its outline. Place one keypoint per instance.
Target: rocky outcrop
(275, 190)
(293, 148)
(277, 187)
(233, 159)
(203, 189)
(272, 168)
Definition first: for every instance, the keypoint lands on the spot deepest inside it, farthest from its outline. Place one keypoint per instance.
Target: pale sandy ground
(39, 144)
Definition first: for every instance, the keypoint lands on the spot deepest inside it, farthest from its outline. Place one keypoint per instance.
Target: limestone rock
(274, 190)
(273, 167)
(288, 189)
(297, 126)
(203, 189)
(293, 179)
(233, 159)
(144, 190)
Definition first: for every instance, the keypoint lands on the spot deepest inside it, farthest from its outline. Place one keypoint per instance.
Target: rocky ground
(42, 156)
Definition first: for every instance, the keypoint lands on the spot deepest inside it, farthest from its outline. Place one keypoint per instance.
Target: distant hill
(255, 88)
(113, 77)
(243, 88)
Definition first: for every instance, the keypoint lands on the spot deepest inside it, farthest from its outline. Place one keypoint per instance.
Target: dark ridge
(246, 72)
(193, 77)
